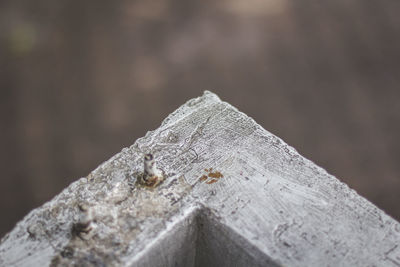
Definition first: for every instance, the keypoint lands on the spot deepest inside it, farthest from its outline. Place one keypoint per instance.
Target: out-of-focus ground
(79, 80)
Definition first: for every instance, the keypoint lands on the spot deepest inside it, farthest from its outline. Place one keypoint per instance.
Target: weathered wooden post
(225, 192)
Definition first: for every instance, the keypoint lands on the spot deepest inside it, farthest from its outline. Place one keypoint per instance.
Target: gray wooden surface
(77, 78)
(234, 195)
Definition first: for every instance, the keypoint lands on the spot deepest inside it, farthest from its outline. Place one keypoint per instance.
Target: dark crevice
(200, 239)
(218, 245)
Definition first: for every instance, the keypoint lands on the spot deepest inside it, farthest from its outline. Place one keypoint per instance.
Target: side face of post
(227, 192)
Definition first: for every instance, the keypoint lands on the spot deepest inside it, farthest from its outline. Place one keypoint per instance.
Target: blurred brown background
(82, 79)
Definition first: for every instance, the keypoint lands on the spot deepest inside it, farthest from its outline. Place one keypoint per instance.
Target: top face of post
(231, 192)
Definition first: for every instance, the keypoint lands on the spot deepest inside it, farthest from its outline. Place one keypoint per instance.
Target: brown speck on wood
(203, 178)
(215, 175)
(212, 181)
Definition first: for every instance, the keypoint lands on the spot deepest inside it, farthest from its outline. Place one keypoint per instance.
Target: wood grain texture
(266, 206)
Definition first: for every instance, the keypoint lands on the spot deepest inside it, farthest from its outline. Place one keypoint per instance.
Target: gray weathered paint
(271, 207)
